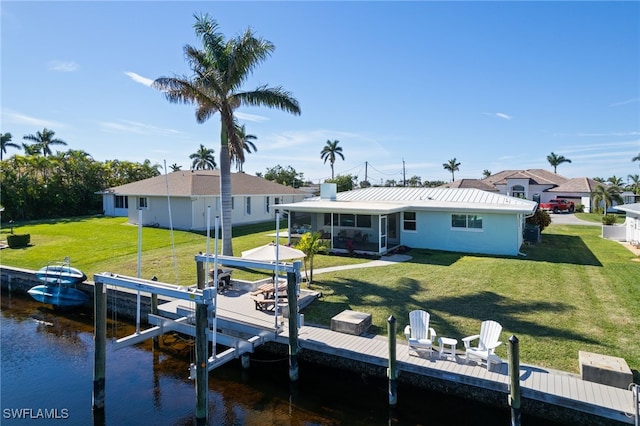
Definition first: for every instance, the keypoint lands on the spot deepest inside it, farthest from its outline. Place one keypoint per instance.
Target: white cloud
(126, 126)
(139, 79)
(628, 101)
(250, 117)
(16, 118)
(498, 115)
(610, 134)
(62, 66)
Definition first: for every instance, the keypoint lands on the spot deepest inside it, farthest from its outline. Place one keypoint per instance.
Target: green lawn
(573, 291)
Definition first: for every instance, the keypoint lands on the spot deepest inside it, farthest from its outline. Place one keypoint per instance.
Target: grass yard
(574, 291)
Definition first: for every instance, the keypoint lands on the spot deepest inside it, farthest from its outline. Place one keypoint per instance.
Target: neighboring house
(632, 222)
(534, 184)
(380, 219)
(190, 193)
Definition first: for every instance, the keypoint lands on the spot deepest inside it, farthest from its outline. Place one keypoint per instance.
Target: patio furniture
(448, 347)
(487, 342)
(418, 333)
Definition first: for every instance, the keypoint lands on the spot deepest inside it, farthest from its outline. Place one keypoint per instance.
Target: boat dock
(538, 384)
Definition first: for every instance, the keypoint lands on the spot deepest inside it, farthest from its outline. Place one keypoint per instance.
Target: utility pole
(366, 164)
(404, 174)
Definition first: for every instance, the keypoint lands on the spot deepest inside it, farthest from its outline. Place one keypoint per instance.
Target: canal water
(46, 362)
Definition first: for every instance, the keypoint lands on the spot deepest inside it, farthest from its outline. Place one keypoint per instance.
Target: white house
(379, 219)
(632, 222)
(190, 193)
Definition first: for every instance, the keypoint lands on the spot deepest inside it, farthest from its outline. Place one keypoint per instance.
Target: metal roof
(382, 200)
(630, 208)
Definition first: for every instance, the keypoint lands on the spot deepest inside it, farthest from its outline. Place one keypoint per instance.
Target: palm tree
(329, 152)
(44, 139)
(615, 181)
(606, 195)
(486, 173)
(5, 138)
(246, 145)
(219, 70)
(453, 167)
(203, 159)
(635, 184)
(556, 160)
(636, 158)
(175, 167)
(311, 244)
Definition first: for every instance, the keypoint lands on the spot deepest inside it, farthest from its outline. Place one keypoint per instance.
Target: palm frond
(272, 97)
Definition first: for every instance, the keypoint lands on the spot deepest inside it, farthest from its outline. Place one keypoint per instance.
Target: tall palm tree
(452, 166)
(606, 195)
(636, 158)
(329, 152)
(246, 145)
(615, 181)
(486, 173)
(203, 159)
(556, 160)
(5, 138)
(44, 140)
(219, 70)
(175, 167)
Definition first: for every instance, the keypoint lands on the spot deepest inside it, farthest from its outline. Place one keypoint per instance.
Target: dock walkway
(538, 384)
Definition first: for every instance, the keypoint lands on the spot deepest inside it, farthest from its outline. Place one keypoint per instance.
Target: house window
(517, 191)
(266, 203)
(248, 205)
(143, 203)
(122, 202)
(327, 219)
(232, 203)
(409, 222)
(276, 200)
(347, 220)
(363, 221)
(466, 221)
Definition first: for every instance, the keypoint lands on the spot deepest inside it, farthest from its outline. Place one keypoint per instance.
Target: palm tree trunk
(225, 192)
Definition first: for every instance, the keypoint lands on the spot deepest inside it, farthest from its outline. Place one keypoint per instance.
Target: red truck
(558, 205)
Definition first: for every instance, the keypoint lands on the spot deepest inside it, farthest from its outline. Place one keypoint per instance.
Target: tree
(310, 244)
(329, 152)
(43, 140)
(636, 158)
(288, 176)
(635, 184)
(203, 159)
(453, 167)
(606, 195)
(219, 70)
(175, 167)
(415, 181)
(486, 173)
(556, 160)
(343, 182)
(246, 145)
(615, 181)
(5, 138)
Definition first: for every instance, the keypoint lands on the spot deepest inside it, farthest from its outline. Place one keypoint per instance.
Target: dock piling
(100, 345)
(392, 371)
(202, 344)
(292, 291)
(514, 377)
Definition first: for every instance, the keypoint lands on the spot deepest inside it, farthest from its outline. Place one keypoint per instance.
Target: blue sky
(496, 85)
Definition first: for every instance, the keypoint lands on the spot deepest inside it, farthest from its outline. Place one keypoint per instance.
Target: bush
(579, 208)
(18, 240)
(540, 218)
(609, 219)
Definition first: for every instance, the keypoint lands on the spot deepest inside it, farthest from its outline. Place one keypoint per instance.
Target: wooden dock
(537, 384)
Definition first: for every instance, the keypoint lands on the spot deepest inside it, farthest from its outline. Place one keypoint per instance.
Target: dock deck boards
(537, 383)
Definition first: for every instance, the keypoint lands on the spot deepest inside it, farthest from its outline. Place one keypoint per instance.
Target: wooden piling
(202, 343)
(514, 379)
(100, 344)
(292, 293)
(392, 371)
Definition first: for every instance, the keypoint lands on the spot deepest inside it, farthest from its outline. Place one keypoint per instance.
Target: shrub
(18, 240)
(540, 218)
(579, 208)
(609, 219)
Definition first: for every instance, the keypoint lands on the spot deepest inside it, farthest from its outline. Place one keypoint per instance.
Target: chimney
(328, 191)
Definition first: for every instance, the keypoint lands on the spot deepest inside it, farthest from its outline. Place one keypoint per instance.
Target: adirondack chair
(487, 343)
(418, 333)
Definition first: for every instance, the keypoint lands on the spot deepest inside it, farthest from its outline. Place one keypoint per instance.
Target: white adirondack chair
(418, 333)
(487, 343)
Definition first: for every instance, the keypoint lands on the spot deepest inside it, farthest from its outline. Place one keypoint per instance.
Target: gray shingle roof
(202, 183)
(535, 176)
(582, 184)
